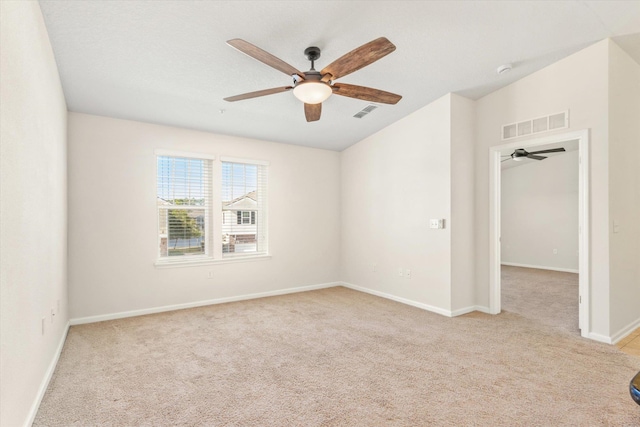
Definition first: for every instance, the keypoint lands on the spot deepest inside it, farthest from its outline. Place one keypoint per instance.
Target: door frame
(584, 258)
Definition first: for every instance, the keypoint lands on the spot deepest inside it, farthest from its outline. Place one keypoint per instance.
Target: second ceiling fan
(313, 87)
(521, 154)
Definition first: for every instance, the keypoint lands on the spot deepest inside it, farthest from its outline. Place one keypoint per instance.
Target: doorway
(581, 138)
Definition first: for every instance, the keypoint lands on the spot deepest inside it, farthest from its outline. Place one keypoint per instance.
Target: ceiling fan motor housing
(312, 76)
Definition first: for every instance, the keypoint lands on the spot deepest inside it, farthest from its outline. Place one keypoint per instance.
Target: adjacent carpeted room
(544, 296)
(334, 357)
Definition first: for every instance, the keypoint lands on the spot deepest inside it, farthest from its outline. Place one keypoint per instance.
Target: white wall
(112, 216)
(624, 189)
(462, 201)
(33, 213)
(578, 83)
(392, 183)
(540, 213)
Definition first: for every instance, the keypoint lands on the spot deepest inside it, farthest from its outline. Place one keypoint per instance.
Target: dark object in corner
(634, 388)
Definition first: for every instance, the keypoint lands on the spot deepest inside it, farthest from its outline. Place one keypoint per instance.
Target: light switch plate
(436, 223)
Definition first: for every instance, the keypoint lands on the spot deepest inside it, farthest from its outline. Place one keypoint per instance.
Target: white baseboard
(423, 306)
(541, 267)
(470, 309)
(600, 338)
(47, 378)
(625, 331)
(142, 312)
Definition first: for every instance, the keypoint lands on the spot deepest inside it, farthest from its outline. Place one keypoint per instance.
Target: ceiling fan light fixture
(313, 92)
(517, 159)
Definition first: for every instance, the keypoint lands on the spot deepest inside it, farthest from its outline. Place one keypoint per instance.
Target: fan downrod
(312, 53)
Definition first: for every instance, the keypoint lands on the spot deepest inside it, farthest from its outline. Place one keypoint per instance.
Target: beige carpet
(548, 297)
(335, 357)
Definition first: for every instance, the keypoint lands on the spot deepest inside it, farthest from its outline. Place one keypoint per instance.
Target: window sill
(210, 261)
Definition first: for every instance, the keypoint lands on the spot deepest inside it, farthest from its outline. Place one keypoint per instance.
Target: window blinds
(184, 204)
(244, 208)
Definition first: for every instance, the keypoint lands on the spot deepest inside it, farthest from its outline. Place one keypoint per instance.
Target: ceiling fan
(313, 87)
(521, 154)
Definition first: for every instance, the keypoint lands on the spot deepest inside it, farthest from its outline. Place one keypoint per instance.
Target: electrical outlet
(400, 271)
(555, 252)
(407, 274)
(210, 275)
(374, 267)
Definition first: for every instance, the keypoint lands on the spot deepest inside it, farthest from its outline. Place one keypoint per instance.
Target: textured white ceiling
(167, 61)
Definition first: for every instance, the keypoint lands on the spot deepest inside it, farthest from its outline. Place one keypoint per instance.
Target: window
(246, 217)
(188, 229)
(184, 206)
(244, 198)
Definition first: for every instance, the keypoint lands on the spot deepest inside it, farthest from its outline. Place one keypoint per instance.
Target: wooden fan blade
(312, 112)
(258, 93)
(358, 58)
(531, 156)
(366, 93)
(263, 56)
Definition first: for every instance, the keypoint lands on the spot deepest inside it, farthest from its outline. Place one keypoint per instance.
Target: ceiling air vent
(537, 125)
(366, 110)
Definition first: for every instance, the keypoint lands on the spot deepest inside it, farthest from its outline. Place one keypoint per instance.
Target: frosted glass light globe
(312, 92)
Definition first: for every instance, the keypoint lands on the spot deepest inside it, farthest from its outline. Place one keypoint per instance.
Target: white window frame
(213, 219)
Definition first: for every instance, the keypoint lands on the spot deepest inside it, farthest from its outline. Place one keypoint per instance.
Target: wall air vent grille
(537, 125)
(366, 110)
